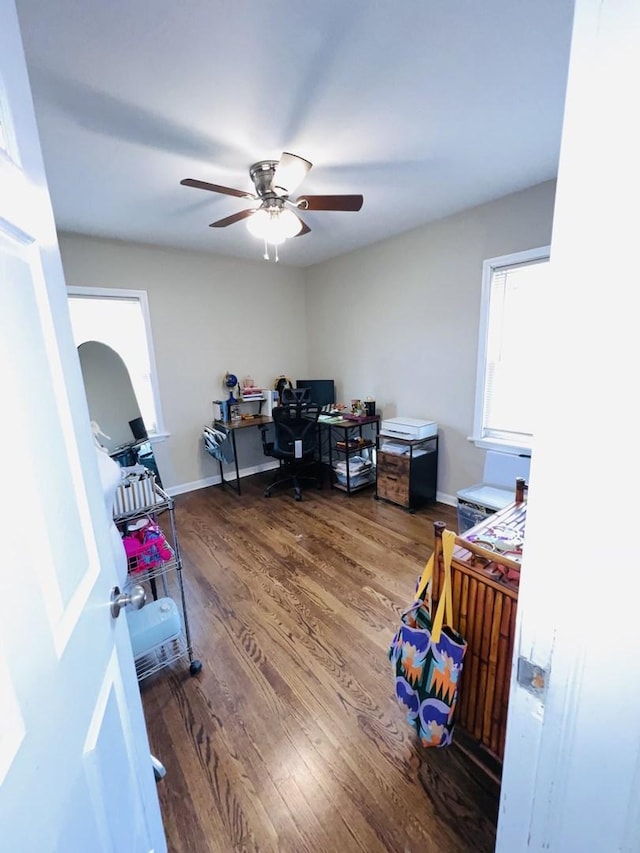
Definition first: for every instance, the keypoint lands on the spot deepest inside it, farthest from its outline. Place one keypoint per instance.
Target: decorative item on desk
(280, 384)
(231, 381)
(250, 391)
(357, 413)
(370, 407)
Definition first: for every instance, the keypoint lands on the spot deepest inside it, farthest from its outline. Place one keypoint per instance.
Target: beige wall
(399, 320)
(209, 314)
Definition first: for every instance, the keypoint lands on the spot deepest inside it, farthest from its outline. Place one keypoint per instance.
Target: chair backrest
(296, 395)
(293, 423)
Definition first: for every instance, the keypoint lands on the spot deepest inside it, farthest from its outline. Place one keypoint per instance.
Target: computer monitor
(321, 391)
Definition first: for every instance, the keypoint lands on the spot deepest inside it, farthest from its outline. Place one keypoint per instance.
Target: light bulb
(274, 225)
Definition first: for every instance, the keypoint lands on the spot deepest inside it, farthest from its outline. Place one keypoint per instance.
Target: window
(120, 319)
(8, 145)
(512, 299)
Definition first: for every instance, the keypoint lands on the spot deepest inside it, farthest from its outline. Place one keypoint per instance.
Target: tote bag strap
(444, 613)
(427, 574)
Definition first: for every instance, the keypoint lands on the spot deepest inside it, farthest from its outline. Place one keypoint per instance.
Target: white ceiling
(425, 107)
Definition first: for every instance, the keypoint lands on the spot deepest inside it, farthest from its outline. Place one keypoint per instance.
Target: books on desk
(351, 444)
(251, 392)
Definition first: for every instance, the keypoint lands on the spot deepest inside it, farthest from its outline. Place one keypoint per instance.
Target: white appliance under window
(497, 489)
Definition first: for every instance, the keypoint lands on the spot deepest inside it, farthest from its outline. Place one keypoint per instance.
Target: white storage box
(497, 490)
(408, 428)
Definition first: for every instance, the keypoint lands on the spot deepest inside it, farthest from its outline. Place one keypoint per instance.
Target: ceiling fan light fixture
(274, 224)
(289, 174)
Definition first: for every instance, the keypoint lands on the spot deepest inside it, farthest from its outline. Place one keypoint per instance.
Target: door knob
(135, 598)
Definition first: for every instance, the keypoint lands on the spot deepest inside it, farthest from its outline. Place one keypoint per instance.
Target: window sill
(500, 446)
(157, 437)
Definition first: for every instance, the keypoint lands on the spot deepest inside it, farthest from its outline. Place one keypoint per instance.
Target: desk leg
(320, 462)
(235, 459)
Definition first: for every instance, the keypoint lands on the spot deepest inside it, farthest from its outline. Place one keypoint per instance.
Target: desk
(343, 450)
(342, 424)
(232, 426)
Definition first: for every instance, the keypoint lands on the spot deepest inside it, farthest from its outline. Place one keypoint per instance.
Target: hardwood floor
(290, 739)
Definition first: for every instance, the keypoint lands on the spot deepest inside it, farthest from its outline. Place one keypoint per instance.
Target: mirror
(114, 407)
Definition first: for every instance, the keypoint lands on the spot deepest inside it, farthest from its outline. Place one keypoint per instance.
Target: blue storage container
(156, 623)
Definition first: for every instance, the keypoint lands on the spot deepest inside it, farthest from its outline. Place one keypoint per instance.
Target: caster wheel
(376, 498)
(412, 512)
(267, 494)
(195, 667)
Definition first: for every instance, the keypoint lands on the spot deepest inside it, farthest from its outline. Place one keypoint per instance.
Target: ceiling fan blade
(330, 202)
(290, 173)
(216, 188)
(235, 217)
(305, 227)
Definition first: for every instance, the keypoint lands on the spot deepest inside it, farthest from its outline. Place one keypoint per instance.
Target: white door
(571, 779)
(75, 771)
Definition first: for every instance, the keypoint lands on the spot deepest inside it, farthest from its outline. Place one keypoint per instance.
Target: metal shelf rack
(347, 439)
(169, 574)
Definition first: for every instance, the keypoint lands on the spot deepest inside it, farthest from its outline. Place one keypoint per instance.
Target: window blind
(512, 339)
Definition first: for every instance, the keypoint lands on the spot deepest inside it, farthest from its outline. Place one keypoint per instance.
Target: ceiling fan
(274, 219)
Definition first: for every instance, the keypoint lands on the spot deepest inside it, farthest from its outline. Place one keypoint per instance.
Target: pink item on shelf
(146, 547)
(132, 546)
(153, 536)
(133, 549)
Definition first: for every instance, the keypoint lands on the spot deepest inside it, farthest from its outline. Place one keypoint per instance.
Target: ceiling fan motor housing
(262, 174)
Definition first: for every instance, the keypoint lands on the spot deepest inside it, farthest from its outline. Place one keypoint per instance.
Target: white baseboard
(450, 500)
(181, 489)
(193, 486)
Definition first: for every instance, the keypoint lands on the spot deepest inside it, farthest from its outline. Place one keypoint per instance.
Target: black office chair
(294, 445)
(295, 395)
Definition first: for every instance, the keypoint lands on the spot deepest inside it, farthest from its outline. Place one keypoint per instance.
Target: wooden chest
(484, 599)
(393, 478)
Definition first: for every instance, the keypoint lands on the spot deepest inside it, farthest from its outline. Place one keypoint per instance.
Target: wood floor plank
(290, 740)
